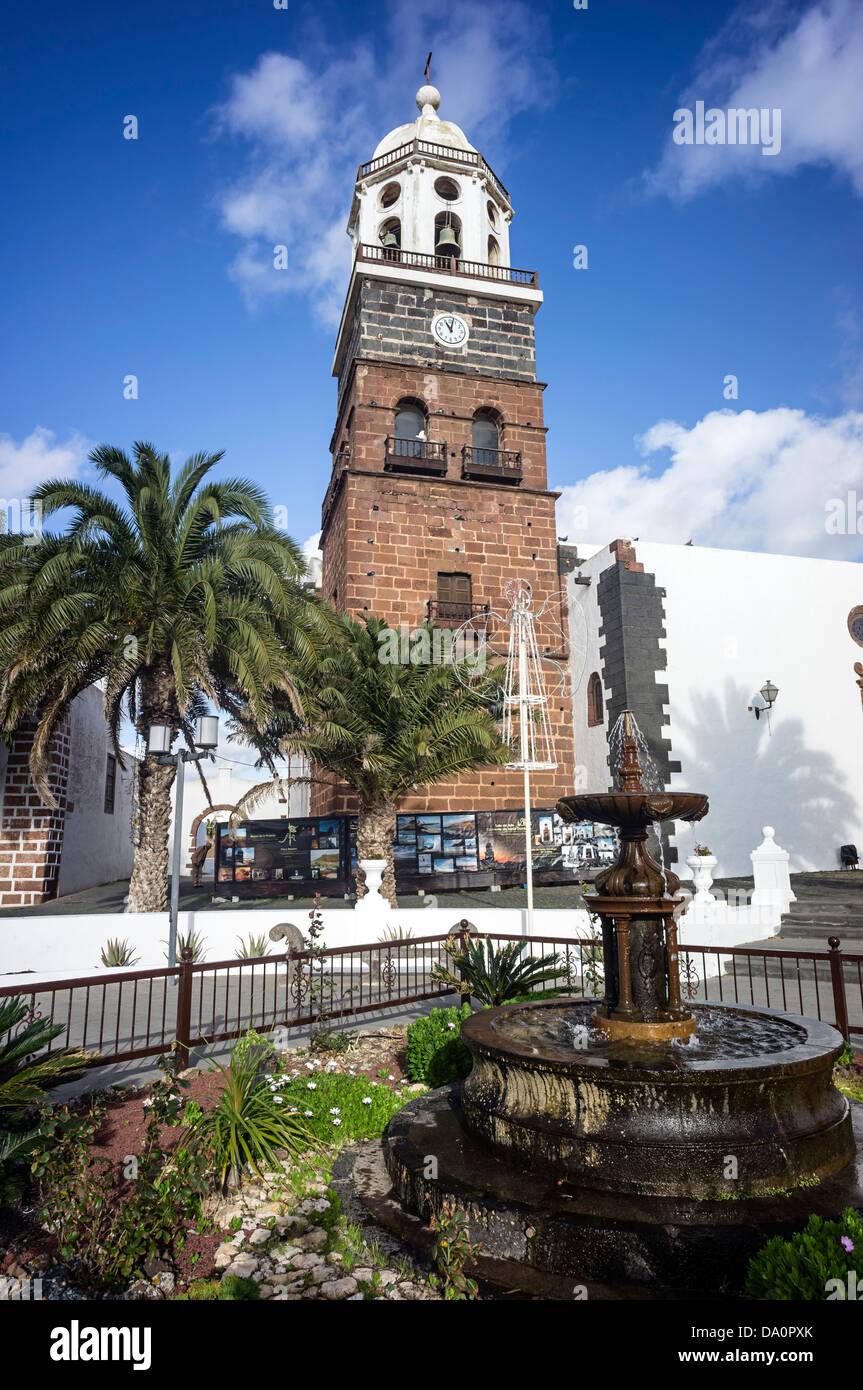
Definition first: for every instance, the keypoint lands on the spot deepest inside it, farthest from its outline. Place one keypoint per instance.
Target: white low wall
(56, 946)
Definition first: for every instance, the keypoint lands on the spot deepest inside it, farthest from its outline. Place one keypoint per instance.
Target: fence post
(464, 937)
(184, 1008)
(837, 978)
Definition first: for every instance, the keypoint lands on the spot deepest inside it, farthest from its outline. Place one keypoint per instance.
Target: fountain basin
(658, 1119)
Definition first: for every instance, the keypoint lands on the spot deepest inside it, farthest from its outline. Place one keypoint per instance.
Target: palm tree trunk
(376, 831)
(148, 889)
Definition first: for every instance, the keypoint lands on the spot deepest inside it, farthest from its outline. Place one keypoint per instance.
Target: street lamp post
(159, 742)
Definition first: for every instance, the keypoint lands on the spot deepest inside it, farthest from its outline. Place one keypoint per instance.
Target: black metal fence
(128, 1014)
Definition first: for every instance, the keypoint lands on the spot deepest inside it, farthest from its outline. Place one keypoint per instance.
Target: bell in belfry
(389, 241)
(447, 243)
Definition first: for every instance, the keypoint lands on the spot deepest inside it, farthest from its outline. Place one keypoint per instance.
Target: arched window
(595, 712)
(410, 420)
(390, 236)
(493, 251)
(447, 235)
(485, 437)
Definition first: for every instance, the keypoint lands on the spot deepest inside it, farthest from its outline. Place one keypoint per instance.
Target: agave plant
(191, 940)
(25, 1076)
(494, 976)
(116, 953)
(248, 1127)
(252, 946)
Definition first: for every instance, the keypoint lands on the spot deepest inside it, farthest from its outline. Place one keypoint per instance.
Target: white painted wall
(55, 947)
(734, 618)
(591, 745)
(97, 844)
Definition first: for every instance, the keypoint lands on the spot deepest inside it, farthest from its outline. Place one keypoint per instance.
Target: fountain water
(603, 1141)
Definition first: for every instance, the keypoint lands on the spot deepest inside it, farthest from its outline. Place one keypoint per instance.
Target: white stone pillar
(772, 892)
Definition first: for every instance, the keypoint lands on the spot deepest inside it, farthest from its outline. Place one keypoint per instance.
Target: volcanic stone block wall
(632, 613)
(31, 833)
(392, 320)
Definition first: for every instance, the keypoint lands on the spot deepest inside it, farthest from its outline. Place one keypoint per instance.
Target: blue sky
(153, 257)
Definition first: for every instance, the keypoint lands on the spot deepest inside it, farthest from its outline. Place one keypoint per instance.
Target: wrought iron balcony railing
(427, 149)
(447, 265)
(446, 614)
(504, 465)
(416, 455)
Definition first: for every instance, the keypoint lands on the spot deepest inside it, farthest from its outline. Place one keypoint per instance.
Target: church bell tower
(438, 493)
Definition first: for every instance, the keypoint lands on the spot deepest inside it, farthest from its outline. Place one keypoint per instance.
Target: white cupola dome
(427, 187)
(427, 126)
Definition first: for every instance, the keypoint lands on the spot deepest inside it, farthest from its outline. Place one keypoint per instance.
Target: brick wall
(31, 833)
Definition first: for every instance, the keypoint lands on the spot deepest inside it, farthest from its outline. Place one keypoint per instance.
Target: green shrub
(338, 1108)
(249, 1126)
(112, 1219)
(798, 1267)
(496, 976)
(234, 1288)
(230, 1289)
(436, 1054)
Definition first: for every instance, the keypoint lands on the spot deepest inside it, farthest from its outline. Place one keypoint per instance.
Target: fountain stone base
(550, 1240)
(748, 1104)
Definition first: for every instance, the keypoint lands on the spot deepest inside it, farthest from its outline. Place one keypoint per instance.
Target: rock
(188, 1075)
(415, 1089)
(336, 1257)
(410, 1291)
(355, 1297)
(260, 1236)
(387, 1277)
(312, 1240)
(339, 1288)
(278, 1278)
(244, 1266)
(306, 1261)
(322, 1273)
(265, 1290)
(271, 1209)
(283, 1254)
(364, 1275)
(289, 1223)
(140, 1290)
(223, 1257)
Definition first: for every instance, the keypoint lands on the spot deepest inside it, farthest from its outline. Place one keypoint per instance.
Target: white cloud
(806, 64)
(748, 481)
(308, 124)
(37, 458)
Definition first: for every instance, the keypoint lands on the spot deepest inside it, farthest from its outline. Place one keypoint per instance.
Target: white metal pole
(528, 852)
(526, 741)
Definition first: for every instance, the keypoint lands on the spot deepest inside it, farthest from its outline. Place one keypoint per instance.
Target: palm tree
(182, 594)
(385, 728)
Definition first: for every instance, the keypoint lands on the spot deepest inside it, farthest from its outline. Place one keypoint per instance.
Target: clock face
(450, 330)
(855, 625)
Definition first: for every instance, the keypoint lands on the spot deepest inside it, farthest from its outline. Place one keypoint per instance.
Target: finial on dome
(428, 96)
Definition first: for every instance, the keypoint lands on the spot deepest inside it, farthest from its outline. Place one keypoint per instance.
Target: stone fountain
(633, 1140)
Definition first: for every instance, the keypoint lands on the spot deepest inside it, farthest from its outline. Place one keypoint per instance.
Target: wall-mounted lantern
(768, 694)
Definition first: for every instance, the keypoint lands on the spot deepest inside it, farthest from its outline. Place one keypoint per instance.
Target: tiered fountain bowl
(638, 1138)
